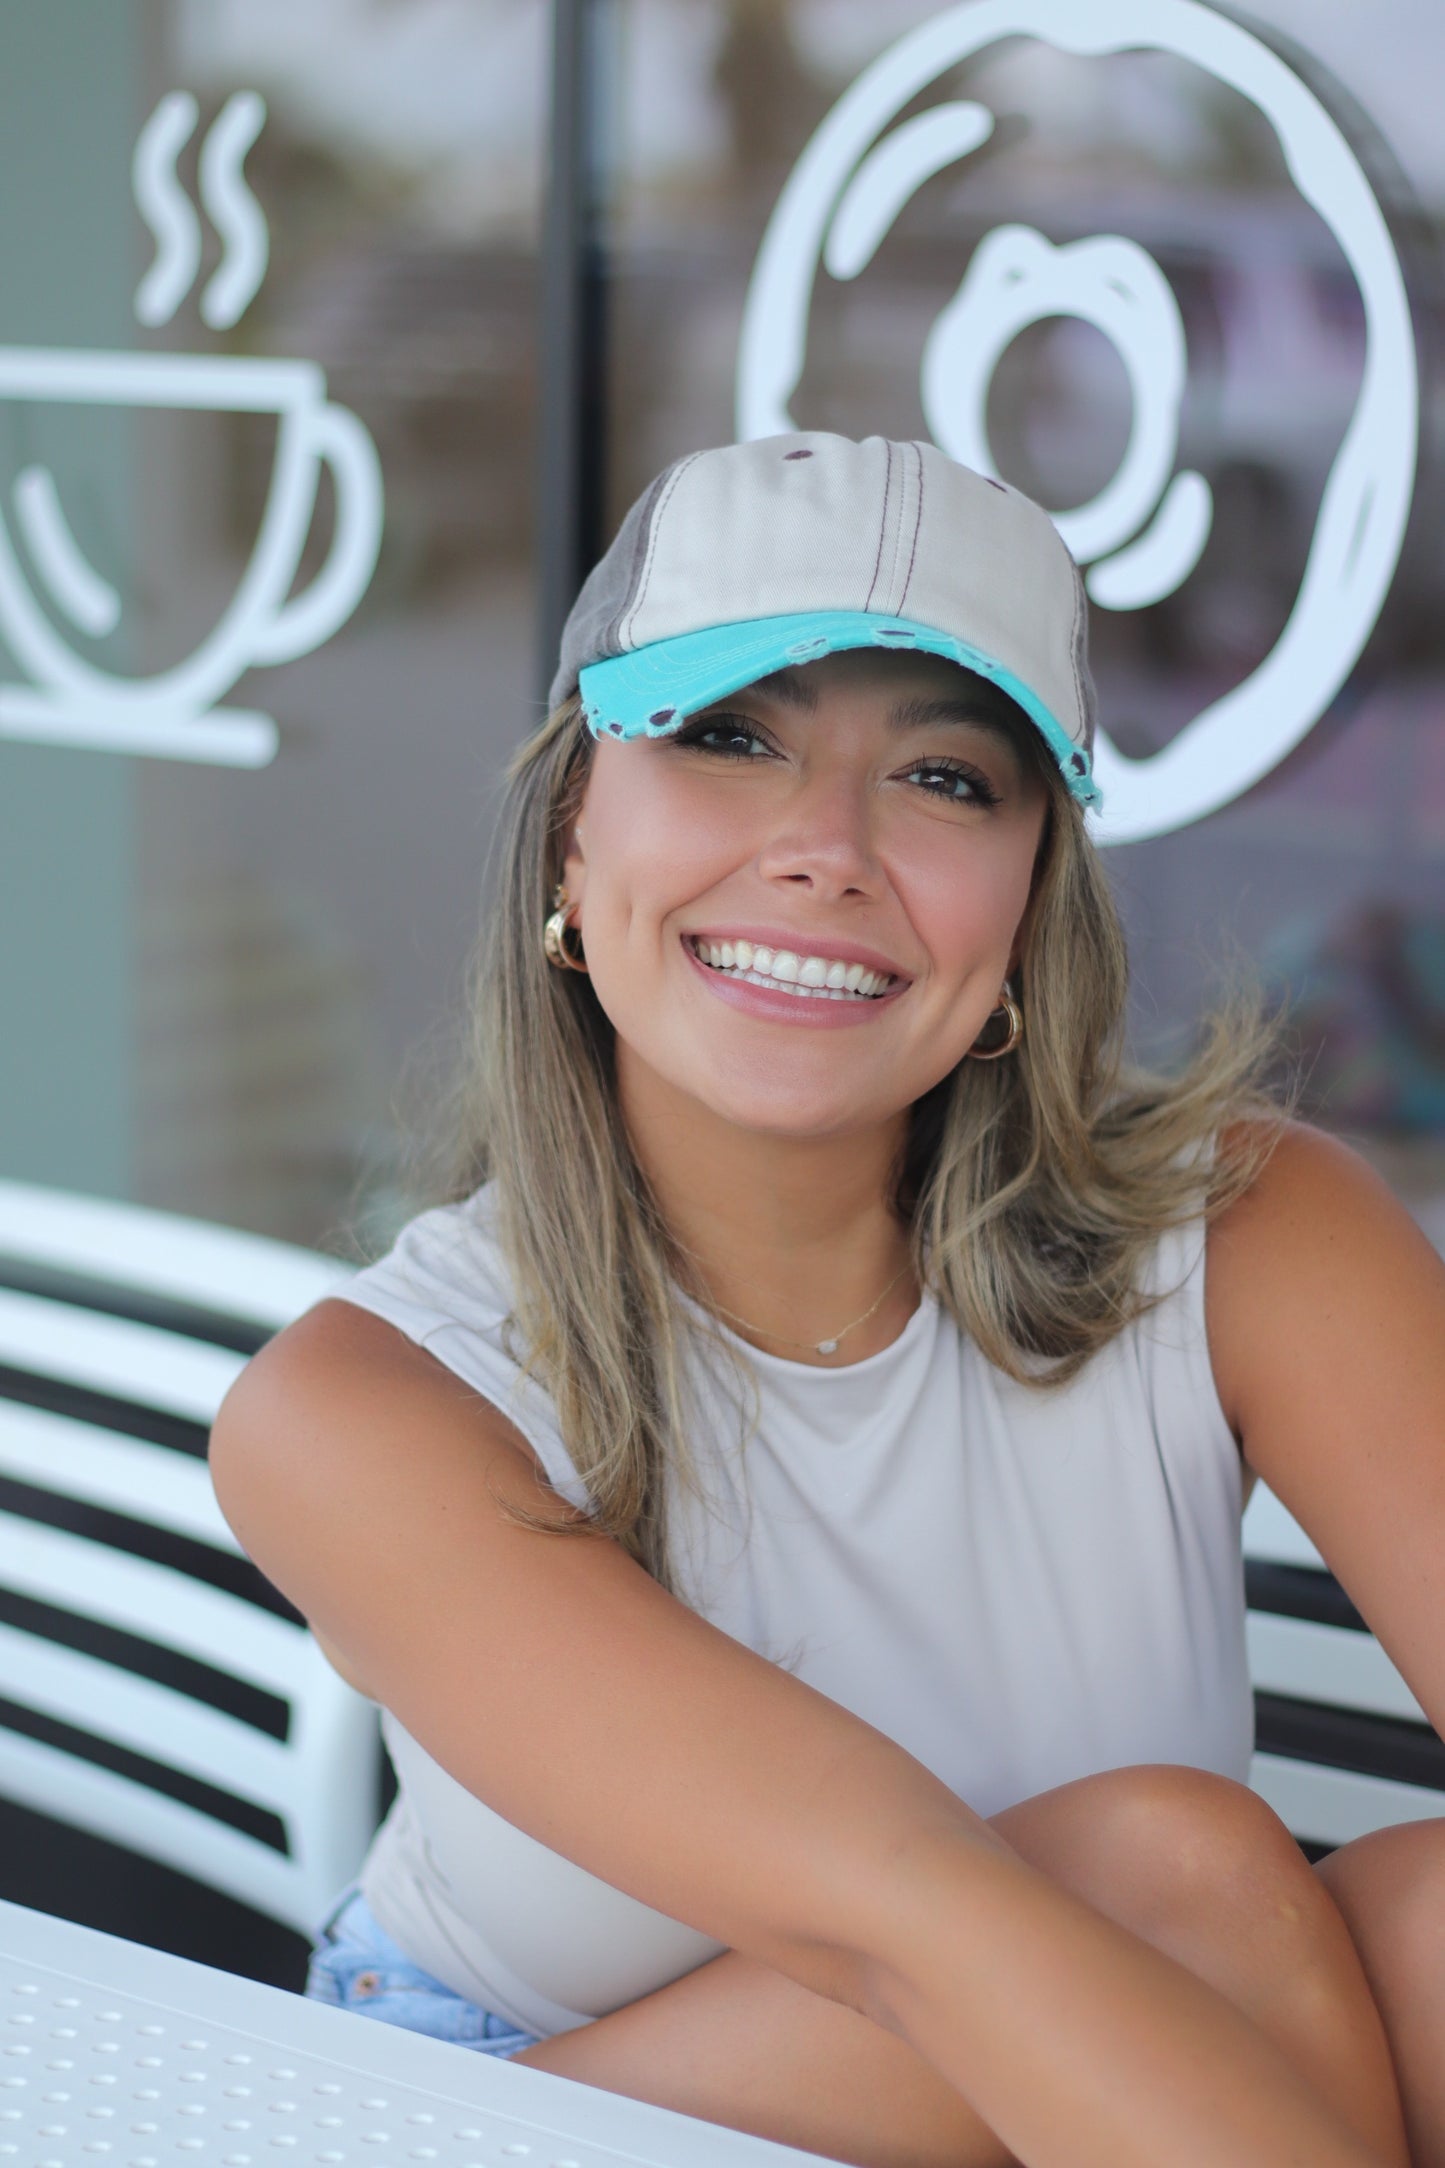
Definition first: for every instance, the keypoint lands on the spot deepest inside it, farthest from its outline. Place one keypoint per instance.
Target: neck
(793, 1235)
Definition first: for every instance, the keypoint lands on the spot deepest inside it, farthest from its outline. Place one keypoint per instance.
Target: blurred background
(216, 982)
(518, 264)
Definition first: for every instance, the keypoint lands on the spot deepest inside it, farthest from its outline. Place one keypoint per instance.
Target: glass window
(831, 211)
(268, 283)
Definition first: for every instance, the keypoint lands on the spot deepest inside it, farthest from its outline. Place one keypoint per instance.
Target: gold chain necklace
(817, 1347)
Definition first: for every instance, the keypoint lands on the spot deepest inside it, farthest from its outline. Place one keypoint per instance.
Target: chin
(780, 1111)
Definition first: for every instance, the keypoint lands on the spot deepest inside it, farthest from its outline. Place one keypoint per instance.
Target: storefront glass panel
(268, 291)
(866, 218)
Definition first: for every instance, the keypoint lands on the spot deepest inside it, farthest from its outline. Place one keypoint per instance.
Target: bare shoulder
(1314, 1265)
(1308, 1182)
(298, 1432)
(290, 1417)
(335, 1413)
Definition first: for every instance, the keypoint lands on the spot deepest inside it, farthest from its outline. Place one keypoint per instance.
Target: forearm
(1078, 2044)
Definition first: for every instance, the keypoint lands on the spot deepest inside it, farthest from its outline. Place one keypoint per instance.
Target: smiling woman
(867, 1768)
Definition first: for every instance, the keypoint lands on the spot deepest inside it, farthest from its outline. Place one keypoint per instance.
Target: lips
(831, 947)
(807, 976)
(798, 1004)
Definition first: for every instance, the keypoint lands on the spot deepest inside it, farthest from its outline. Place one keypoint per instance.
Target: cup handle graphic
(311, 617)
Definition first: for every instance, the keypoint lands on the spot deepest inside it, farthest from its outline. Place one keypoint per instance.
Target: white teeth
(820, 976)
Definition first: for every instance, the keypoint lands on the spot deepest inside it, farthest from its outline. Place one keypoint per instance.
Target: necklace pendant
(827, 1347)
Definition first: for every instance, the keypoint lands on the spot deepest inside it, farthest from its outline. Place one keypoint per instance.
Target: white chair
(154, 1688)
(157, 1691)
(1342, 1745)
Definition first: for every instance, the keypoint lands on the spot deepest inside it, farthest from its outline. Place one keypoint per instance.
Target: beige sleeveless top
(1020, 1586)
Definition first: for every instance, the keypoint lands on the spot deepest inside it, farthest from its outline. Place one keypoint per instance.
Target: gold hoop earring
(554, 942)
(1008, 1007)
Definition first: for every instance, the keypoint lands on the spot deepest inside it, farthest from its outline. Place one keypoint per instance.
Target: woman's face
(866, 810)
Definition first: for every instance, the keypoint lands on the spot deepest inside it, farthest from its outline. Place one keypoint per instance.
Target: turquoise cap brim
(650, 691)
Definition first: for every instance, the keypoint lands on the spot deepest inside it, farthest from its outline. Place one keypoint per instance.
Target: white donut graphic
(1016, 278)
(1141, 537)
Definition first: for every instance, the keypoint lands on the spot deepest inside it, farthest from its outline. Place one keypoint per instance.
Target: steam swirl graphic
(233, 210)
(165, 209)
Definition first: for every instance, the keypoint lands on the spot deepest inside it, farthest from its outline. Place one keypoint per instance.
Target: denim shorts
(356, 1965)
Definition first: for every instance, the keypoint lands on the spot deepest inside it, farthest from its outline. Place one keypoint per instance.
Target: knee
(1186, 1842)
(1390, 1885)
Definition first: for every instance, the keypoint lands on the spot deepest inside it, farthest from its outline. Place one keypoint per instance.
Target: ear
(574, 865)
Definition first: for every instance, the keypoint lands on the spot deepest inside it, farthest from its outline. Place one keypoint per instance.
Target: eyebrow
(980, 714)
(983, 710)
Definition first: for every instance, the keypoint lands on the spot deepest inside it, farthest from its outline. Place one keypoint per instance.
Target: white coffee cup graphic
(1142, 536)
(71, 700)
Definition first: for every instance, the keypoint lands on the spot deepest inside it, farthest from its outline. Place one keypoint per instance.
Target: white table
(116, 2056)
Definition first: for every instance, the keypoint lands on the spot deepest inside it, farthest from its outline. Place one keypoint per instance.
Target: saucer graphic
(1142, 536)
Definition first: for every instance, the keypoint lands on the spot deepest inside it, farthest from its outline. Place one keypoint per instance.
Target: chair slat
(143, 1597)
(252, 1276)
(1334, 1806)
(1270, 1530)
(113, 1806)
(125, 1475)
(155, 1314)
(136, 1362)
(1326, 1664)
(147, 1718)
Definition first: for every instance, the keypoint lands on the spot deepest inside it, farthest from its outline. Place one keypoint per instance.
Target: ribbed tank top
(1019, 1585)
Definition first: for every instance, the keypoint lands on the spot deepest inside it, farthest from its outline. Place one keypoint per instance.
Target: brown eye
(949, 774)
(710, 735)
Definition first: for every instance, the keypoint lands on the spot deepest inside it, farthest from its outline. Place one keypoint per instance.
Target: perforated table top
(115, 2056)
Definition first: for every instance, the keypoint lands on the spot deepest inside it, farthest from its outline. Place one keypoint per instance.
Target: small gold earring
(1008, 1007)
(554, 933)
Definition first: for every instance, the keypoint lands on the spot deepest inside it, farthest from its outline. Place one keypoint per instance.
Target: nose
(823, 840)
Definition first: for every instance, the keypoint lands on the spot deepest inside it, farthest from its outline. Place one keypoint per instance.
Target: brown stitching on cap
(917, 524)
(624, 627)
(1079, 605)
(883, 523)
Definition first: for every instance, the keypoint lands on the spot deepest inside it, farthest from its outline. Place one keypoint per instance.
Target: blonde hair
(1035, 1187)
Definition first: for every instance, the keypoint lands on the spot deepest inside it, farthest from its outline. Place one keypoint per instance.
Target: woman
(786, 1502)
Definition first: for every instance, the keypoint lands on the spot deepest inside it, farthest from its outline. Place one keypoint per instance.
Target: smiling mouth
(785, 971)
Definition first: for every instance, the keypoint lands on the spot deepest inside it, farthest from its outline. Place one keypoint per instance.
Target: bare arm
(633, 1737)
(1326, 1311)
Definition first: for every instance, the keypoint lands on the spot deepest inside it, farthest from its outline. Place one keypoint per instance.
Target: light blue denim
(356, 1965)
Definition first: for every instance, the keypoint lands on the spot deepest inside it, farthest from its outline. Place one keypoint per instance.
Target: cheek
(657, 835)
(966, 903)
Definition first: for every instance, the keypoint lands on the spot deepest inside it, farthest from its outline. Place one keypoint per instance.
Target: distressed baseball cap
(747, 558)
